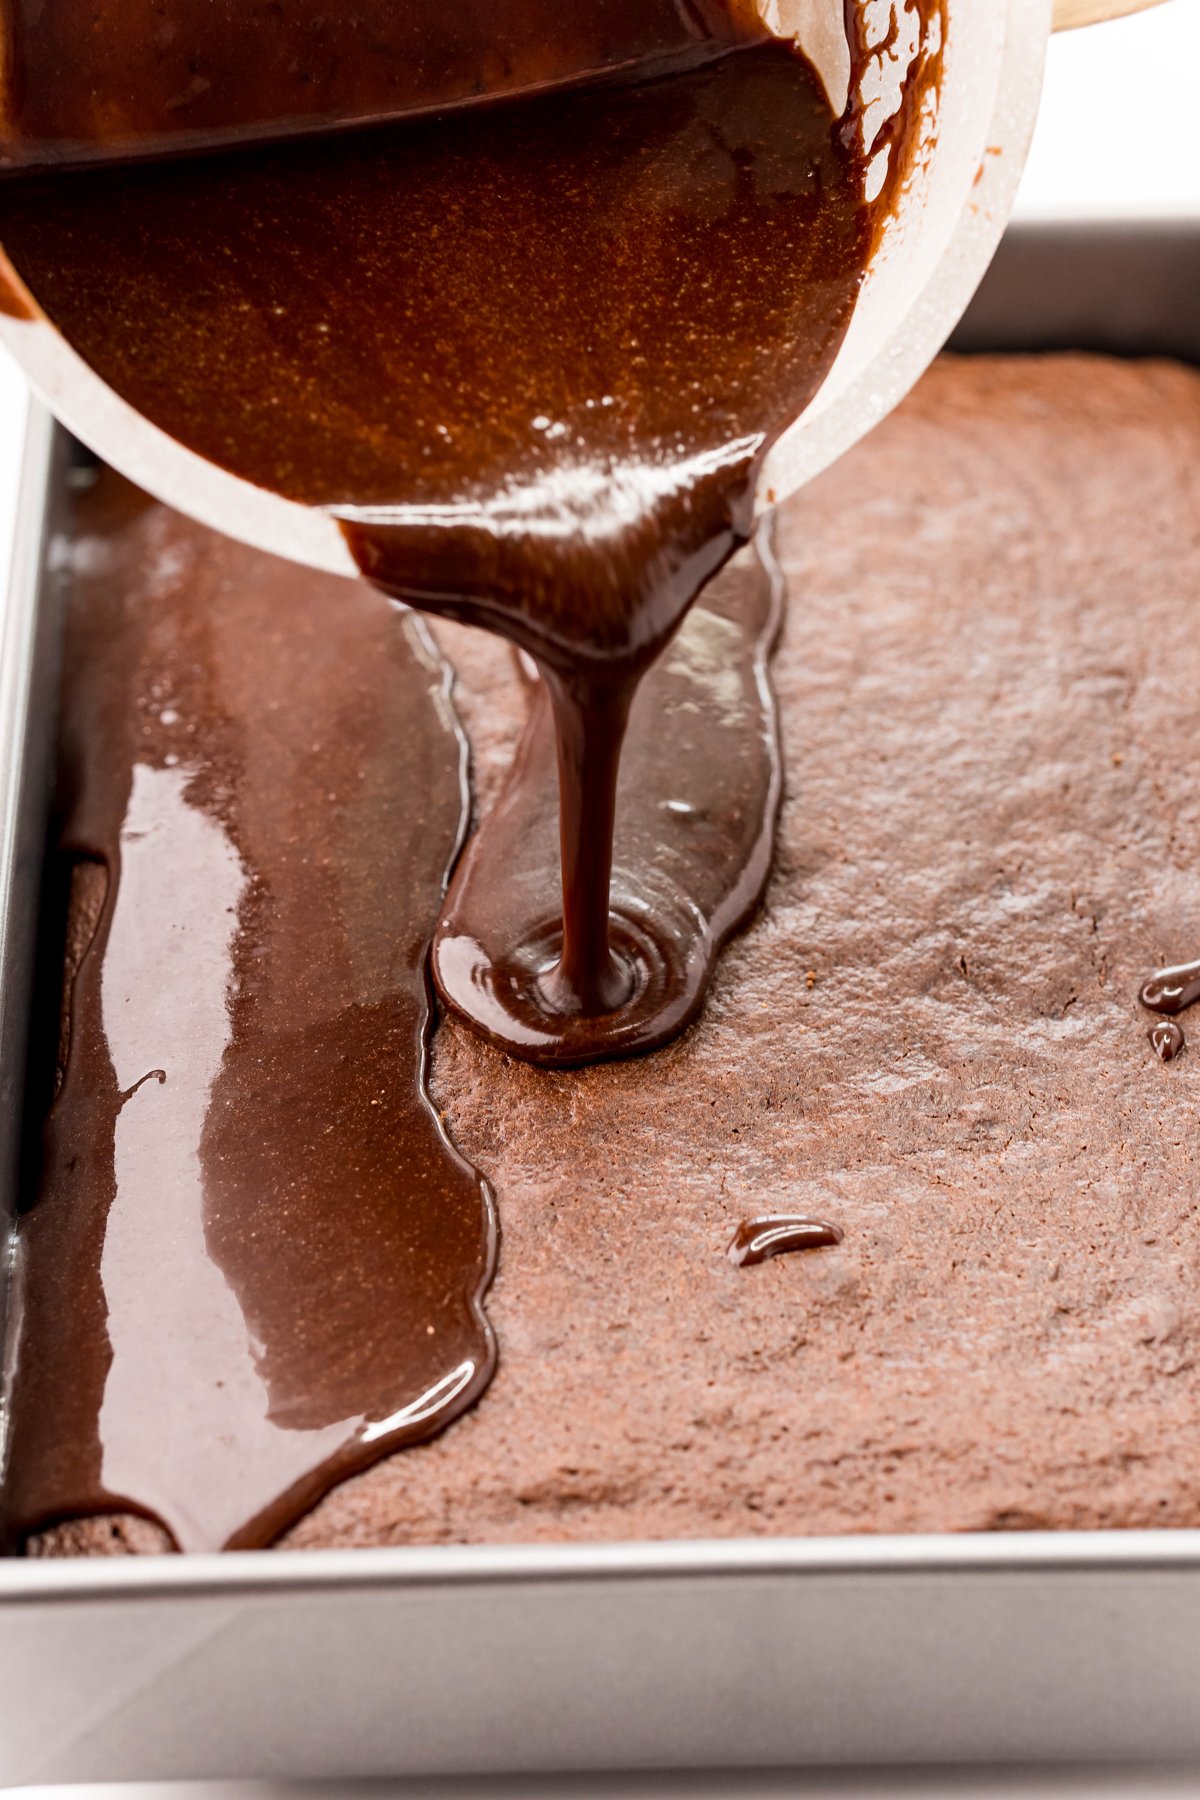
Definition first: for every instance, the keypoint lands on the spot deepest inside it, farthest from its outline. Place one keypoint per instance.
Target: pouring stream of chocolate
(700, 784)
(532, 359)
(531, 356)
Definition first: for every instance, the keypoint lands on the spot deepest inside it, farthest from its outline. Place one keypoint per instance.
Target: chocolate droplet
(1171, 990)
(1166, 1040)
(756, 1240)
(572, 494)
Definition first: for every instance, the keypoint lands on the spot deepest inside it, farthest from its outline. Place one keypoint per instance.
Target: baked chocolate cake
(929, 1036)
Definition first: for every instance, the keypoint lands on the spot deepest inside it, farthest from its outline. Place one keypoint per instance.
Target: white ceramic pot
(946, 227)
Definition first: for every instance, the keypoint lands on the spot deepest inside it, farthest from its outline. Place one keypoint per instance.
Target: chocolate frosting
(929, 1035)
(254, 1261)
(532, 360)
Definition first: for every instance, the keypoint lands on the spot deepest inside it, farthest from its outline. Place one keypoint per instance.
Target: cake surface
(929, 1036)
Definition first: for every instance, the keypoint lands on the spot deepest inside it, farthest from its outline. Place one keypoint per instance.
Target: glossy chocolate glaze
(1172, 990)
(531, 356)
(81, 82)
(1167, 1040)
(778, 1234)
(699, 791)
(253, 1262)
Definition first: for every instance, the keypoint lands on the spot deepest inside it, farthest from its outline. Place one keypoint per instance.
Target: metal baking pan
(677, 1655)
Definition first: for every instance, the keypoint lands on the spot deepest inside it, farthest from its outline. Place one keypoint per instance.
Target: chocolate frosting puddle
(699, 792)
(254, 1262)
(779, 1234)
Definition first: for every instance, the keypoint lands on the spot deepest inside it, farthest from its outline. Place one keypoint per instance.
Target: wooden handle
(1069, 13)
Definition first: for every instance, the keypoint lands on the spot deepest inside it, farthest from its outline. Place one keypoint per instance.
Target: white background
(1116, 138)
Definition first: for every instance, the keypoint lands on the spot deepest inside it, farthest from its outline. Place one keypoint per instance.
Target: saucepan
(965, 152)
